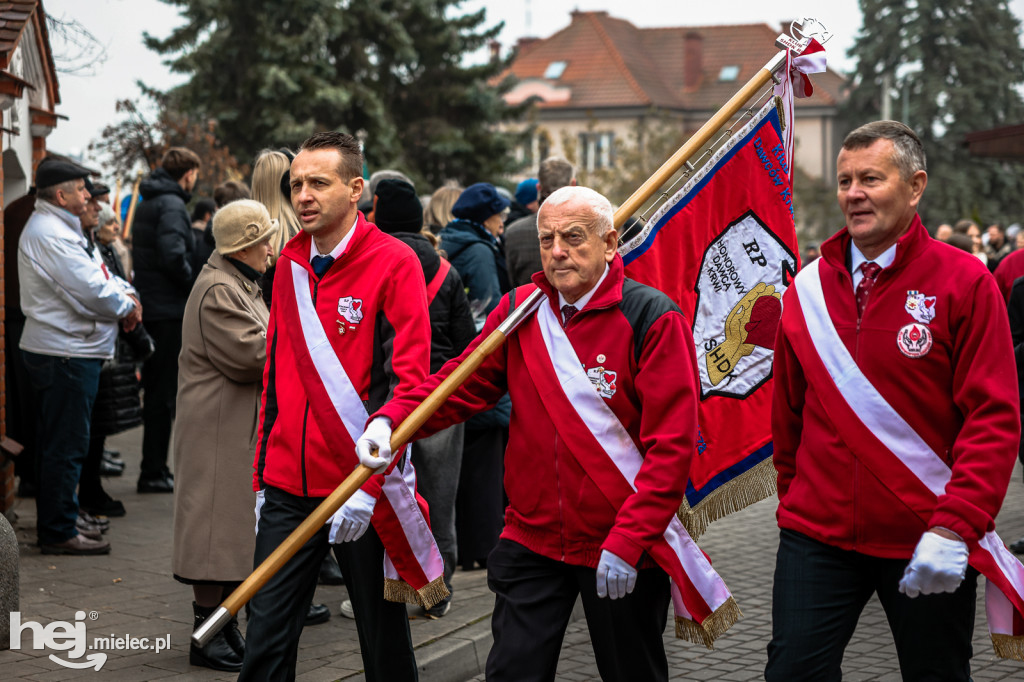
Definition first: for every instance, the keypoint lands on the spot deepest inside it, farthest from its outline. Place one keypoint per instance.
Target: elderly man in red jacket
(604, 395)
(895, 429)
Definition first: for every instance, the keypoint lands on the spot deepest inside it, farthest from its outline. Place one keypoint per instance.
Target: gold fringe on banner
(739, 493)
(713, 627)
(428, 595)
(1008, 646)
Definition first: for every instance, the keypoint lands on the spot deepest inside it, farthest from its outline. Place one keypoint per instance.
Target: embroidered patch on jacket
(914, 340)
(603, 380)
(920, 307)
(351, 309)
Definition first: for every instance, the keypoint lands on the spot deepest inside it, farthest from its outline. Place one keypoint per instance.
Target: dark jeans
(278, 611)
(819, 594)
(438, 460)
(64, 391)
(160, 386)
(534, 598)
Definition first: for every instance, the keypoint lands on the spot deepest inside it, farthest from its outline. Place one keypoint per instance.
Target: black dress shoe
(100, 504)
(318, 613)
(330, 572)
(158, 484)
(1017, 547)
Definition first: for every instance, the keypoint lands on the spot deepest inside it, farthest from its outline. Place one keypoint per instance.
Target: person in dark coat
(471, 241)
(438, 459)
(118, 406)
(163, 246)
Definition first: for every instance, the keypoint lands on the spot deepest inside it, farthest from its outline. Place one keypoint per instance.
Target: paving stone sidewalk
(131, 594)
(743, 548)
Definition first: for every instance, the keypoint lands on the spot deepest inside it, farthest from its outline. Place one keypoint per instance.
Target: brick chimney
(693, 60)
(495, 47)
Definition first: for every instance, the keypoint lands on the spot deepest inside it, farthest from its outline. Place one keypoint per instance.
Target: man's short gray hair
(50, 193)
(555, 172)
(908, 154)
(600, 207)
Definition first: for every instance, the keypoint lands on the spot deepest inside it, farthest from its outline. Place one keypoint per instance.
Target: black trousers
(534, 598)
(160, 384)
(278, 611)
(818, 597)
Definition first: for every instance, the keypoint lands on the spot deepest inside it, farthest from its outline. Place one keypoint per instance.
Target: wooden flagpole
(419, 416)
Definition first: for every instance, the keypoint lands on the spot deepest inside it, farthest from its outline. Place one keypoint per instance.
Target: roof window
(729, 73)
(554, 70)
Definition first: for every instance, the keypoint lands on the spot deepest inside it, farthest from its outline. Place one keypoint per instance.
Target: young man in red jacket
(348, 330)
(569, 527)
(894, 424)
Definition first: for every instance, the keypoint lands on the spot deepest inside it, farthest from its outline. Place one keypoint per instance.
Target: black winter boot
(218, 653)
(234, 637)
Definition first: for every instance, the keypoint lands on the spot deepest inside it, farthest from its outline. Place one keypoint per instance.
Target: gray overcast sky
(89, 101)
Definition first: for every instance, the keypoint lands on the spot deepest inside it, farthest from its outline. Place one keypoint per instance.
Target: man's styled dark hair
(908, 152)
(232, 190)
(346, 145)
(179, 160)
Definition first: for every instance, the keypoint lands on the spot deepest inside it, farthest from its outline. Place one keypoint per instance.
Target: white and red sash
(412, 564)
(888, 446)
(704, 608)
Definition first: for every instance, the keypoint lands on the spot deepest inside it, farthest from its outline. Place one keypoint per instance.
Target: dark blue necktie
(321, 264)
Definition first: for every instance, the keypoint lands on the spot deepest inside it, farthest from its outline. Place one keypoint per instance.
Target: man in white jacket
(72, 306)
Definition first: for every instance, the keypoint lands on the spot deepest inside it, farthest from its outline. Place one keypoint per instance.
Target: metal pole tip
(211, 626)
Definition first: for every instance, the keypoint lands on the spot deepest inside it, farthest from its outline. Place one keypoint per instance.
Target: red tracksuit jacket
(555, 509)
(960, 397)
(384, 354)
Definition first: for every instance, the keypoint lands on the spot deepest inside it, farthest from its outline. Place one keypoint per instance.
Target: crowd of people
(269, 340)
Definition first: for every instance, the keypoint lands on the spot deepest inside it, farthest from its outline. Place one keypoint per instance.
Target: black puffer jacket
(163, 248)
(117, 407)
(451, 323)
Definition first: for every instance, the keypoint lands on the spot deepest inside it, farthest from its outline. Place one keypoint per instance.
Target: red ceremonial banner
(724, 249)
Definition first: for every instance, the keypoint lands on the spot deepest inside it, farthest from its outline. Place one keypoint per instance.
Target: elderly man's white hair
(600, 207)
(106, 215)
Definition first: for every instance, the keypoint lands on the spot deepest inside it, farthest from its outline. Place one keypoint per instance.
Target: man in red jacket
(894, 424)
(603, 388)
(348, 330)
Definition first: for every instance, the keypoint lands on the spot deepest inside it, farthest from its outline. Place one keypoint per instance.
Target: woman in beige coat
(220, 378)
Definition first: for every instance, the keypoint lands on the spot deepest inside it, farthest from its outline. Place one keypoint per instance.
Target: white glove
(615, 578)
(351, 521)
(261, 497)
(377, 435)
(938, 565)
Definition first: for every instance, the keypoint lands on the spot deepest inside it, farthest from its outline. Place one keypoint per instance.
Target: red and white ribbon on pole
(794, 80)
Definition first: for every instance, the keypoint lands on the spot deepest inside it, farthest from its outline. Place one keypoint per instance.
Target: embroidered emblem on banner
(351, 309)
(743, 274)
(920, 307)
(914, 340)
(603, 380)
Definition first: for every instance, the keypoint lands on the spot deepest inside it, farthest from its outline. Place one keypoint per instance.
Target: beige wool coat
(220, 379)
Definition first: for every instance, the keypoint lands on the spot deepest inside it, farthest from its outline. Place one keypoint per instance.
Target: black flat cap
(96, 189)
(53, 172)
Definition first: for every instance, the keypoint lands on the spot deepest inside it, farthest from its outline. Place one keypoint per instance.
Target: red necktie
(567, 312)
(870, 272)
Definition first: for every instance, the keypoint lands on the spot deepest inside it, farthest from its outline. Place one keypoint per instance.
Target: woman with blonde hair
(439, 210)
(270, 187)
